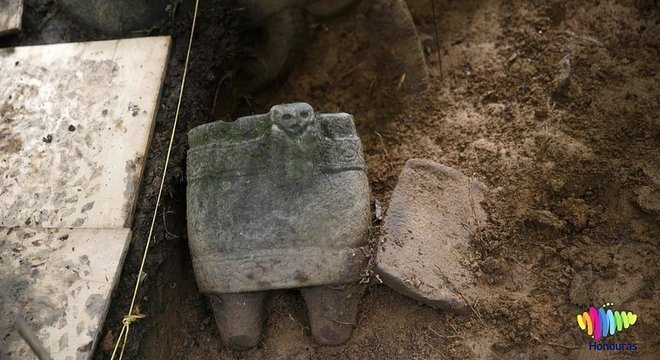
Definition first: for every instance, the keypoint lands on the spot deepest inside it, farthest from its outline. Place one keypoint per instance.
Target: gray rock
(116, 17)
(329, 8)
(284, 35)
(258, 10)
(424, 252)
(396, 44)
(279, 200)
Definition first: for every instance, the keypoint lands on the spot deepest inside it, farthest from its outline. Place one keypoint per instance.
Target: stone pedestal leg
(332, 311)
(239, 318)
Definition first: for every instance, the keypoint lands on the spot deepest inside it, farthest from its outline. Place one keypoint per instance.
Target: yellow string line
(130, 318)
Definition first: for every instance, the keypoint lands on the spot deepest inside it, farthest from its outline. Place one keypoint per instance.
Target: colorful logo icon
(603, 322)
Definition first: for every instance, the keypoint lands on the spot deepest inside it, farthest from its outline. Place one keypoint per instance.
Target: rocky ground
(553, 106)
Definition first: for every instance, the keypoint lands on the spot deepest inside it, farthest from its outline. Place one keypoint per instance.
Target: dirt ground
(553, 105)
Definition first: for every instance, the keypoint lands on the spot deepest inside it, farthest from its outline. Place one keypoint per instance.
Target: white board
(60, 282)
(75, 124)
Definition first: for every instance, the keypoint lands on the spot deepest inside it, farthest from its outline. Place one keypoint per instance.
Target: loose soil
(554, 106)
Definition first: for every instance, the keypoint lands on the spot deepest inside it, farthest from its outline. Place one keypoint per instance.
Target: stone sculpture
(277, 201)
(396, 44)
(116, 17)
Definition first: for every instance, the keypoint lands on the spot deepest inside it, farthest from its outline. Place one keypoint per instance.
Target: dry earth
(553, 105)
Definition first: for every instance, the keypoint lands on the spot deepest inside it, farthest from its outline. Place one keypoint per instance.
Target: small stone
(648, 199)
(575, 211)
(425, 254)
(72, 128)
(563, 77)
(378, 211)
(513, 57)
(580, 291)
(108, 341)
(545, 217)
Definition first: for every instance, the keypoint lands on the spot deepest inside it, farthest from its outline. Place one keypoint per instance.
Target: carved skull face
(293, 119)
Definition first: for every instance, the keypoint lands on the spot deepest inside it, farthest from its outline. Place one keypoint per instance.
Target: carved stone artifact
(277, 201)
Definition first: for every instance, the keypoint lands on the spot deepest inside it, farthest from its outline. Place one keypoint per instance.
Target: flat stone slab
(75, 124)
(11, 14)
(424, 252)
(60, 282)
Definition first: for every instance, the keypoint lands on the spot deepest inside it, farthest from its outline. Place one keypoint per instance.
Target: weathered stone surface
(11, 13)
(648, 198)
(75, 125)
(424, 251)
(279, 200)
(396, 43)
(284, 36)
(116, 17)
(329, 8)
(60, 281)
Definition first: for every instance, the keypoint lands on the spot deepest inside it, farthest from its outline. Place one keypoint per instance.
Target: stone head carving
(292, 119)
